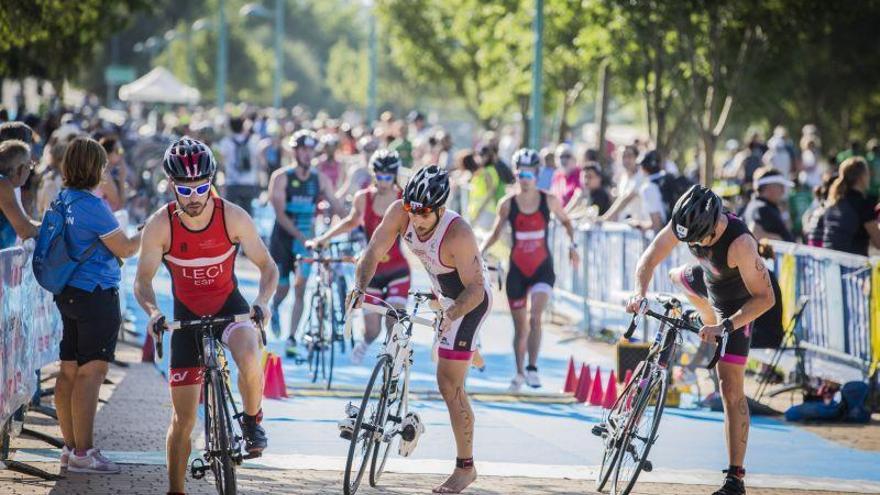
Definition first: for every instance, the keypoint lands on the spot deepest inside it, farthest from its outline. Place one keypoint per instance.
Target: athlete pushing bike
(391, 281)
(739, 290)
(447, 247)
(197, 236)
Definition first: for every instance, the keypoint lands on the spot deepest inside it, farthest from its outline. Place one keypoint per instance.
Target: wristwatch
(727, 323)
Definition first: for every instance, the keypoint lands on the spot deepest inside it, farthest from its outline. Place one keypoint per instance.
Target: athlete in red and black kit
(197, 237)
(739, 290)
(530, 274)
(391, 281)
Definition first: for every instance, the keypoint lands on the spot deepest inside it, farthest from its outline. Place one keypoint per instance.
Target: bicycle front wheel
(393, 397)
(367, 428)
(219, 435)
(615, 420)
(640, 432)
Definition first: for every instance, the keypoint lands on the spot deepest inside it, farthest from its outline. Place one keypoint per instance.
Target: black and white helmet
(303, 138)
(385, 161)
(526, 157)
(695, 214)
(429, 188)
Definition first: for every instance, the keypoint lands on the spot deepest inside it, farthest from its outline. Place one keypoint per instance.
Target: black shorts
(518, 286)
(284, 248)
(391, 285)
(460, 342)
(764, 332)
(91, 322)
(185, 345)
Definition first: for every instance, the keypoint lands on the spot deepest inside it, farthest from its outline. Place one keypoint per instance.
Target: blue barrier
(30, 330)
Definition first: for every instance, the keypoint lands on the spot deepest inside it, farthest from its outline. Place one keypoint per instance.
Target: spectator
(113, 186)
(270, 148)
(403, 146)
(811, 161)
(489, 157)
(459, 178)
(418, 129)
(780, 152)
(627, 202)
(89, 305)
(548, 169)
(653, 214)
(567, 178)
(440, 150)
(593, 192)
(855, 149)
(873, 158)
(49, 172)
(850, 222)
(762, 213)
(484, 187)
(329, 165)
(240, 158)
(15, 167)
(747, 161)
(814, 225)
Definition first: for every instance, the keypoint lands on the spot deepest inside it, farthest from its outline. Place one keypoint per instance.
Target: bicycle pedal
(252, 455)
(198, 468)
(345, 435)
(647, 466)
(599, 430)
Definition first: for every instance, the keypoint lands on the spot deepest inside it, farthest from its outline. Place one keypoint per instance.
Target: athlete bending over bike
(446, 246)
(197, 237)
(739, 292)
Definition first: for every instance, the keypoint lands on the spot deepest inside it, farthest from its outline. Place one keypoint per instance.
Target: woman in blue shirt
(15, 166)
(89, 305)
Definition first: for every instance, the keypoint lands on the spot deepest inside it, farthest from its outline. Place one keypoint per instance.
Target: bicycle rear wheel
(367, 426)
(640, 432)
(615, 420)
(219, 434)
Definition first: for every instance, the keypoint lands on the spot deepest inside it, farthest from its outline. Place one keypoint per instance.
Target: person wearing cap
(762, 214)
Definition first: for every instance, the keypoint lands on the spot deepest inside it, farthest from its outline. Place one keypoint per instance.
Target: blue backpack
(52, 262)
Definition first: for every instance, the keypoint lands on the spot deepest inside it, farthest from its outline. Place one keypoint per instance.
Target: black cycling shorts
(91, 322)
(518, 286)
(185, 344)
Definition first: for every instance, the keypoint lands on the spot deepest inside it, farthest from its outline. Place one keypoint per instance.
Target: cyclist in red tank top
(197, 237)
(391, 281)
(530, 274)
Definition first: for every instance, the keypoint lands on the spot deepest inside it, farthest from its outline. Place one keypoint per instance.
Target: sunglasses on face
(187, 191)
(385, 178)
(416, 209)
(525, 174)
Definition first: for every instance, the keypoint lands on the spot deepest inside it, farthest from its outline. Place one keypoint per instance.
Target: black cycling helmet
(695, 214)
(526, 157)
(429, 188)
(385, 161)
(303, 138)
(188, 159)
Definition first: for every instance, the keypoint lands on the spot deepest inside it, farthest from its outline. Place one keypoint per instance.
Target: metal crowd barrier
(840, 328)
(30, 330)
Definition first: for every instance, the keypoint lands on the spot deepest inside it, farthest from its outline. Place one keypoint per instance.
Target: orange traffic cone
(583, 386)
(610, 392)
(571, 378)
(273, 379)
(148, 350)
(629, 377)
(596, 395)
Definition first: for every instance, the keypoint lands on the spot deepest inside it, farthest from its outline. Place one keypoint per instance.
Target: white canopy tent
(159, 86)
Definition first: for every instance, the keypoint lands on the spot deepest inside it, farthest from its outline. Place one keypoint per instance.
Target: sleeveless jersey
(394, 259)
(725, 285)
(444, 279)
(301, 200)
(201, 263)
(530, 248)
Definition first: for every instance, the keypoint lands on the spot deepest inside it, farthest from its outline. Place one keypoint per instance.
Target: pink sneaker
(65, 456)
(92, 462)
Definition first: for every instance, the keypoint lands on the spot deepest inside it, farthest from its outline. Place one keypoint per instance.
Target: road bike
(630, 427)
(223, 438)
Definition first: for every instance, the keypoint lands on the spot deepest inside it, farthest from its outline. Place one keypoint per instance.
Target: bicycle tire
(377, 470)
(315, 318)
(219, 428)
(612, 451)
(658, 379)
(349, 485)
(341, 286)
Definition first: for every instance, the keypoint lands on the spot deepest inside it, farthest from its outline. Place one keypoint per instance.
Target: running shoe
(291, 350)
(532, 378)
(92, 462)
(276, 321)
(517, 383)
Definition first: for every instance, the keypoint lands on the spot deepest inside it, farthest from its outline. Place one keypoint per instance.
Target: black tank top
(727, 290)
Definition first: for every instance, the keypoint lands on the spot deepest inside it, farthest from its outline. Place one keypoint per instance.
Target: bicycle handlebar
(160, 326)
(681, 324)
(326, 259)
(399, 314)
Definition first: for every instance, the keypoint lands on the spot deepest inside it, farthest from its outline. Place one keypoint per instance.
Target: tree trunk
(563, 117)
(707, 168)
(602, 113)
(524, 112)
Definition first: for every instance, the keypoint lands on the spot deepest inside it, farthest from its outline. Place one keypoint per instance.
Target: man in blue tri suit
(294, 192)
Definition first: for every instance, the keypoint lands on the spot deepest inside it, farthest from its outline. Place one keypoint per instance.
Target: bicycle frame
(214, 361)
